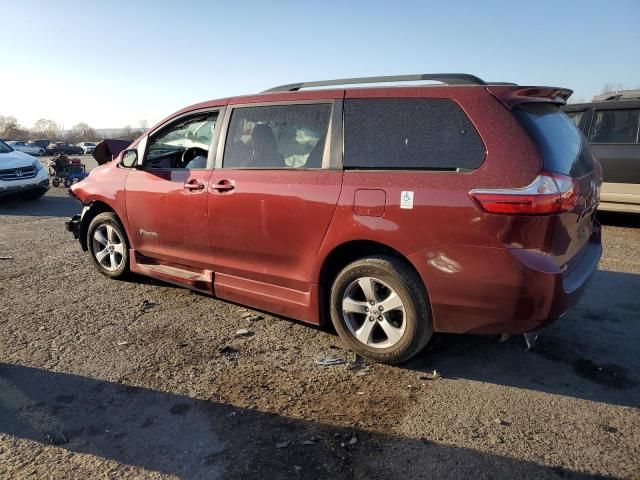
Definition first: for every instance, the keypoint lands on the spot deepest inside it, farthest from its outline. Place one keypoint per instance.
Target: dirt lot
(106, 379)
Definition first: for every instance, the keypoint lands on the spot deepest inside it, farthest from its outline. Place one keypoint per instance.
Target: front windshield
(4, 148)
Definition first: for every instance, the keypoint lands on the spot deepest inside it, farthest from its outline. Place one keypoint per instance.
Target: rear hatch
(567, 156)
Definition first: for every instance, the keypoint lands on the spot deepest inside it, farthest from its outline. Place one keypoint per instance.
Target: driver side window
(183, 144)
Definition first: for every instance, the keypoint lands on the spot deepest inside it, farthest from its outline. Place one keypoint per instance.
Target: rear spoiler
(510, 96)
(107, 150)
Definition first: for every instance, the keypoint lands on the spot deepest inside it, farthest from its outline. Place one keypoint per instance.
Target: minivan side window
(279, 136)
(615, 126)
(428, 134)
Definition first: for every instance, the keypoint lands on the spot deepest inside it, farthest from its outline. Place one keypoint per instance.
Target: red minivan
(396, 211)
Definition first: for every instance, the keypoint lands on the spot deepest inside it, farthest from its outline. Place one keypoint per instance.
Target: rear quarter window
(562, 146)
(428, 134)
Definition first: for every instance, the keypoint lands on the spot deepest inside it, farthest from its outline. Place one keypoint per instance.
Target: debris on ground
(147, 305)
(4, 257)
(530, 340)
(283, 444)
(353, 440)
(502, 422)
(243, 332)
(228, 351)
(56, 438)
(435, 375)
(308, 442)
(120, 343)
(329, 362)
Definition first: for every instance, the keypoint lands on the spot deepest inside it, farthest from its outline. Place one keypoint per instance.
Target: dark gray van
(613, 130)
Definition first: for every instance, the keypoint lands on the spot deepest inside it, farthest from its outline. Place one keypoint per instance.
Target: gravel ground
(105, 379)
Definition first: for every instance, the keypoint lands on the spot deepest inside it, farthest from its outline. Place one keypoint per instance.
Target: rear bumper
(502, 290)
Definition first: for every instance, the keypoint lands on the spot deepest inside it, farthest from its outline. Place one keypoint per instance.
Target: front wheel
(380, 310)
(108, 245)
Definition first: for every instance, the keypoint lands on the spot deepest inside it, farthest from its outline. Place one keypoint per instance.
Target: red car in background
(394, 211)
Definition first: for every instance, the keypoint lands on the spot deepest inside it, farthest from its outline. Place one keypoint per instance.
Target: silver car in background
(28, 148)
(21, 174)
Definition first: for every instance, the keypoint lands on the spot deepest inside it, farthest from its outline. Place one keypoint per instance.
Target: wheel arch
(348, 252)
(96, 207)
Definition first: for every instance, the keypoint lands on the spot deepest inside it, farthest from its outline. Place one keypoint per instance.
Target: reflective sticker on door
(406, 199)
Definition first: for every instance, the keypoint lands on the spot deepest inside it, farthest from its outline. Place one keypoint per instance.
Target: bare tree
(129, 133)
(612, 87)
(45, 129)
(81, 132)
(11, 130)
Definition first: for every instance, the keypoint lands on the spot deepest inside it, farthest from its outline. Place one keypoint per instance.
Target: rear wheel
(108, 245)
(379, 308)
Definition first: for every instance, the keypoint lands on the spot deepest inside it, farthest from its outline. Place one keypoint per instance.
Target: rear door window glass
(428, 134)
(615, 126)
(279, 136)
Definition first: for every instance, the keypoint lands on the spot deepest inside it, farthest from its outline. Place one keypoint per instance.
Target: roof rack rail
(446, 78)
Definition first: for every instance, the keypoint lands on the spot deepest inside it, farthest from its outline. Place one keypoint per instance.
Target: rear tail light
(548, 193)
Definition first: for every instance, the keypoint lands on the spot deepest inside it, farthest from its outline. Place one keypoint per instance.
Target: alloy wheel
(373, 312)
(108, 247)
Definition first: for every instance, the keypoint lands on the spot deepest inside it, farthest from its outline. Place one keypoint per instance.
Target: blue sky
(112, 63)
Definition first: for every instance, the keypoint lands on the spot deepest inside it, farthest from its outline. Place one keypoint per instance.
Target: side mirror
(130, 159)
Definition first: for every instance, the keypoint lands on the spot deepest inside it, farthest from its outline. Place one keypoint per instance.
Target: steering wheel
(191, 153)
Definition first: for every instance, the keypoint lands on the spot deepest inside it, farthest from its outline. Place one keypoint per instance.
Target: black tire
(109, 219)
(67, 182)
(55, 182)
(397, 275)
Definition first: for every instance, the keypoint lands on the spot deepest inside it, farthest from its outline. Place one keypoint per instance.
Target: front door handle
(194, 185)
(224, 186)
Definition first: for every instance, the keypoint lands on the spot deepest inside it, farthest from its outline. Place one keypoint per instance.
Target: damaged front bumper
(73, 225)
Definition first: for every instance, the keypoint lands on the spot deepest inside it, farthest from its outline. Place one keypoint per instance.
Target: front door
(167, 198)
(271, 202)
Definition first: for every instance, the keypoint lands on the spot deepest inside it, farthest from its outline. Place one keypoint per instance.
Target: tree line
(47, 129)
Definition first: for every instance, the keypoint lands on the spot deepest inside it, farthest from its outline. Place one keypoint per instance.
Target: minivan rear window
(563, 147)
(427, 134)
